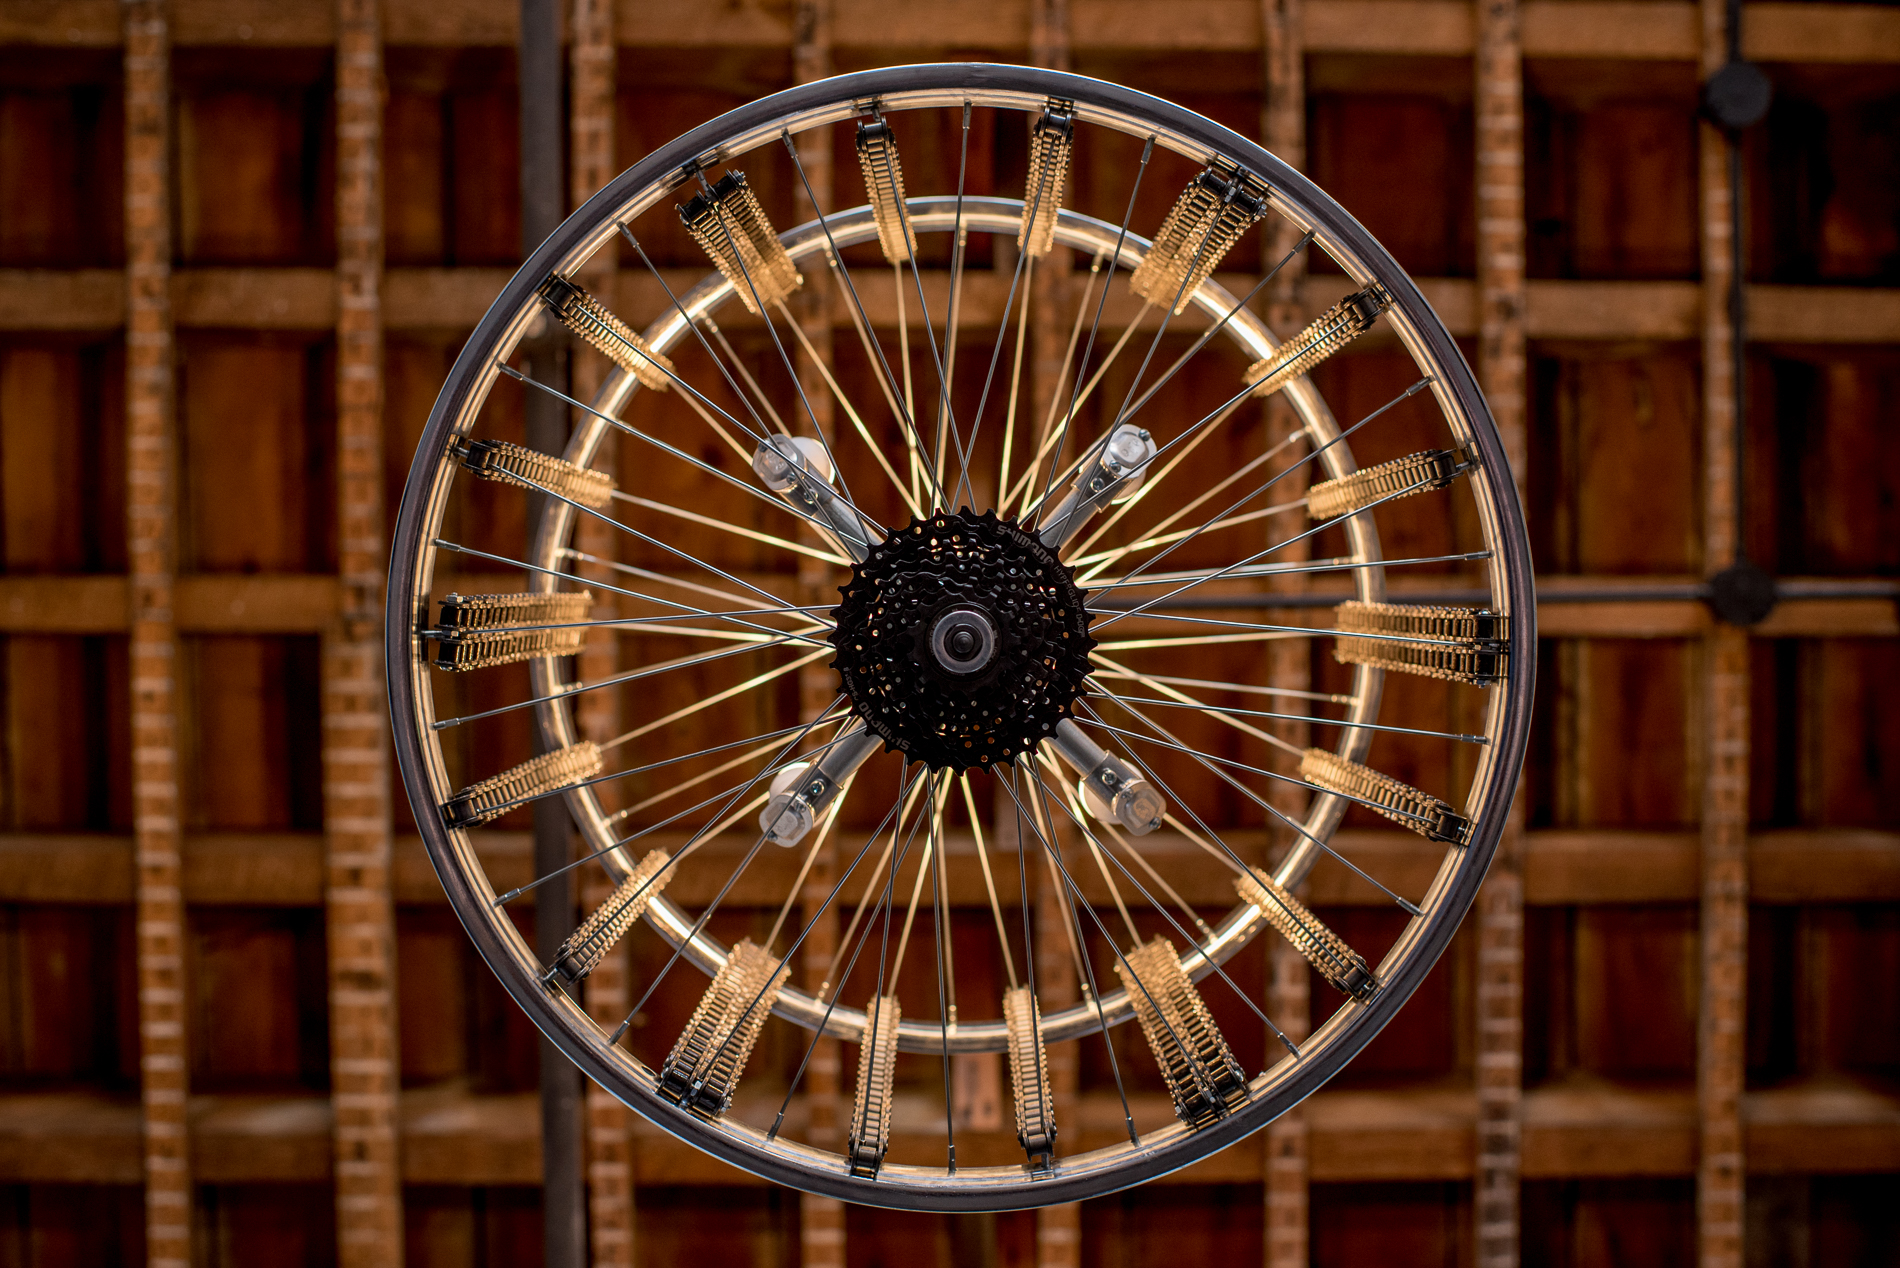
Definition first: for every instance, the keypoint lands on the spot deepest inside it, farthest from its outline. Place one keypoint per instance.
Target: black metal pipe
(563, 1194)
(1805, 588)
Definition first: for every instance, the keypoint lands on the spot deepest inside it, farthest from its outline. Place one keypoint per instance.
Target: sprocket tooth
(911, 693)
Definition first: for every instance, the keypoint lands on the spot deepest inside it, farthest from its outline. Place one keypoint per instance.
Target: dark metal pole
(1736, 98)
(563, 1197)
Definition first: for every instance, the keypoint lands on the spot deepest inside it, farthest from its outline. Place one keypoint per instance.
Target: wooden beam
(827, 1099)
(1806, 865)
(1723, 944)
(1600, 1129)
(607, 1142)
(1289, 665)
(262, 604)
(1575, 866)
(1613, 30)
(1824, 33)
(1562, 867)
(455, 299)
(304, 603)
(1056, 982)
(1503, 372)
(1828, 1125)
(360, 919)
(151, 530)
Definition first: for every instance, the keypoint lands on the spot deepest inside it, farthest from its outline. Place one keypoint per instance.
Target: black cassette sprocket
(962, 572)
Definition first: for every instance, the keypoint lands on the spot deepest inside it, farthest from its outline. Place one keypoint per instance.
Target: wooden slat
(441, 299)
(1572, 1130)
(63, 605)
(1602, 1130)
(1617, 29)
(456, 298)
(71, 23)
(1504, 313)
(256, 299)
(1802, 865)
(1845, 33)
(302, 603)
(365, 1076)
(1831, 618)
(256, 23)
(1283, 125)
(1642, 30)
(151, 527)
(608, 1123)
(1393, 1135)
(61, 299)
(1613, 310)
(827, 1100)
(1430, 27)
(1723, 944)
(265, 604)
(1826, 1126)
(1058, 1228)
(1562, 867)
(1806, 314)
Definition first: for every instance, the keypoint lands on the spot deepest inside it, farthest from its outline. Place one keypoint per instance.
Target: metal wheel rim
(1102, 1170)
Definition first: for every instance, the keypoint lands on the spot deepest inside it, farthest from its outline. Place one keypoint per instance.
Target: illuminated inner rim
(962, 640)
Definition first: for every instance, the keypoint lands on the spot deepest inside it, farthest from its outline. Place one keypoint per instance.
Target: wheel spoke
(1214, 764)
(687, 711)
(750, 534)
(1114, 258)
(908, 415)
(765, 630)
(1091, 520)
(1102, 857)
(1114, 517)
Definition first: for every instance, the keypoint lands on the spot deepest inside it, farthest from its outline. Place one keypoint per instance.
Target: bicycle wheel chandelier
(1037, 636)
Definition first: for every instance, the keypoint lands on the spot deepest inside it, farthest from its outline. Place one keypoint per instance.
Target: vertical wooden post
(821, 1220)
(1058, 1228)
(545, 424)
(151, 522)
(1502, 372)
(365, 1077)
(609, 1124)
(1289, 664)
(610, 1209)
(1724, 941)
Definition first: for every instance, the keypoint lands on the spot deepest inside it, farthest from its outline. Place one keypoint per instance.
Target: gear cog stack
(962, 640)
